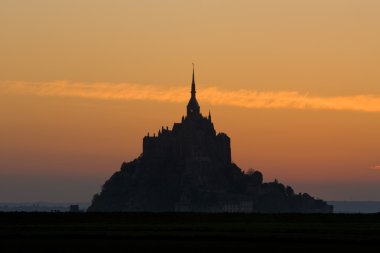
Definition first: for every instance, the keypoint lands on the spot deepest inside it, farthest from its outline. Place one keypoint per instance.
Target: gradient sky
(295, 84)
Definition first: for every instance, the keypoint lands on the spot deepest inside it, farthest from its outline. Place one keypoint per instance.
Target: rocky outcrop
(171, 185)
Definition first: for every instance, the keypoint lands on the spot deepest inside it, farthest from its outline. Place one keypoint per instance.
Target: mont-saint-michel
(188, 169)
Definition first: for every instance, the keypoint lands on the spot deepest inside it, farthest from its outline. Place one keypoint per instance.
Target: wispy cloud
(375, 167)
(246, 98)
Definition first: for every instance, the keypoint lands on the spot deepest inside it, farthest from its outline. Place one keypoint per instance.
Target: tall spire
(193, 109)
(193, 84)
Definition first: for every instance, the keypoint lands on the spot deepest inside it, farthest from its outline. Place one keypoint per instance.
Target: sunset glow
(295, 84)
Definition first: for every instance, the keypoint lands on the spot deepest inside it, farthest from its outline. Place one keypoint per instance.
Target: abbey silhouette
(189, 169)
(192, 140)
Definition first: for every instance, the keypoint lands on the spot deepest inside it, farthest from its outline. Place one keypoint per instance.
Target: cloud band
(239, 98)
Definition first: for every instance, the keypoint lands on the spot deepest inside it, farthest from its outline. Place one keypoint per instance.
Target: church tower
(193, 109)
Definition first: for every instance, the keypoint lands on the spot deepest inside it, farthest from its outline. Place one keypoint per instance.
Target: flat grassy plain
(187, 232)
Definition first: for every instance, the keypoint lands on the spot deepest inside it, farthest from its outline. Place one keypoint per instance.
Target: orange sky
(295, 84)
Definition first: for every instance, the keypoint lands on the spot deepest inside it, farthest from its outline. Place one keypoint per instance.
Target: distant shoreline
(45, 206)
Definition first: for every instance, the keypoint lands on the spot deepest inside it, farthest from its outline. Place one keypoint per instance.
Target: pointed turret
(193, 109)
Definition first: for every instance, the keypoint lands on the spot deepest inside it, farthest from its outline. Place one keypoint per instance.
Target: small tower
(193, 109)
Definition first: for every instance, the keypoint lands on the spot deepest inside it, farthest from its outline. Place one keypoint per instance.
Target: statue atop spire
(193, 109)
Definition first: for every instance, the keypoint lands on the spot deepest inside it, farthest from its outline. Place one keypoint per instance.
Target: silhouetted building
(194, 139)
(188, 169)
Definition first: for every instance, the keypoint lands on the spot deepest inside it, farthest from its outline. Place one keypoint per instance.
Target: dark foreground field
(123, 232)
